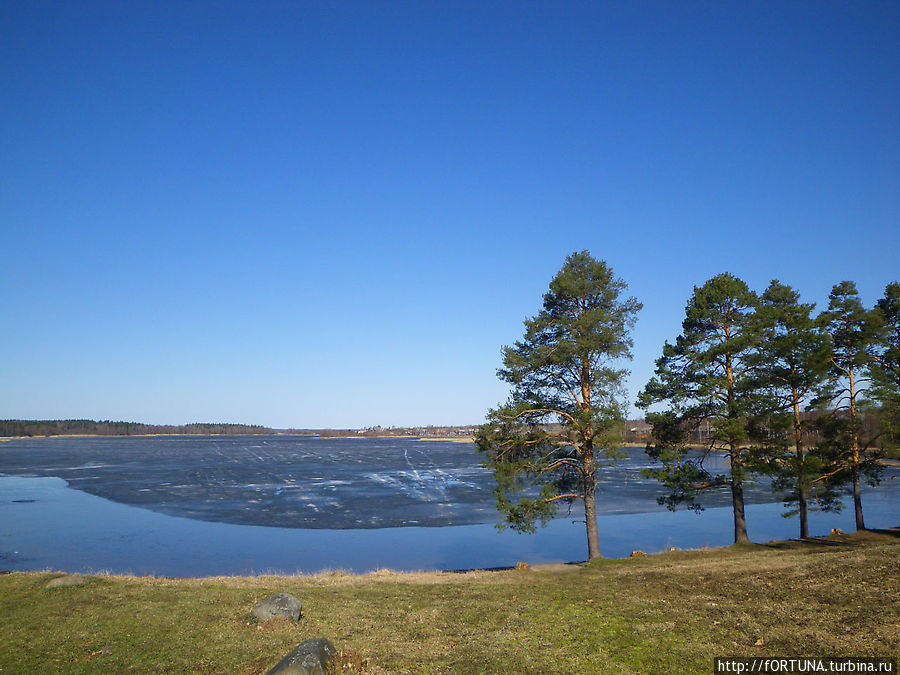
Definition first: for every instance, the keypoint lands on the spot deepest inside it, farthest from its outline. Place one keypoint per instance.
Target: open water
(197, 506)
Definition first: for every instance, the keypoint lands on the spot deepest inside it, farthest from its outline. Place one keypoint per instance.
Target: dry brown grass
(670, 612)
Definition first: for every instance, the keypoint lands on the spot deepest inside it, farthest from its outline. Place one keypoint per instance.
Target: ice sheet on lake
(44, 524)
(309, 483)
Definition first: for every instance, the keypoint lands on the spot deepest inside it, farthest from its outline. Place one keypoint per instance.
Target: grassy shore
(671, 612)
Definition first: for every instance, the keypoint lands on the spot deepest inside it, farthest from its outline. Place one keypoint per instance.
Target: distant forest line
(633, 432)
(41, 428)
(109, 428)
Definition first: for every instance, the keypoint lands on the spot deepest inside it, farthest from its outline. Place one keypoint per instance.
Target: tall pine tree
(546, 443)
(884, 391)
(790, 364)
(853, 330)
(704, 379)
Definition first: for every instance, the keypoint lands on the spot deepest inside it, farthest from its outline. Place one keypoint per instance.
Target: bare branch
(552, 411)
(570, 495)
(564, 462)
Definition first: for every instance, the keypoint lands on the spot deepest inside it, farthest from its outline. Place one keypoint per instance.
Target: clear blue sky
(335, 214)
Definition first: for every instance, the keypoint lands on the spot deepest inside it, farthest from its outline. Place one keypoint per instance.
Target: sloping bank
(672, 612)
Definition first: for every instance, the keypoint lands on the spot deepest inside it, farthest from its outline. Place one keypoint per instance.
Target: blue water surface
(47, 524)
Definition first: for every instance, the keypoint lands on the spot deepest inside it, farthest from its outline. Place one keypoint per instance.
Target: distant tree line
(109, 428)
(399, 432)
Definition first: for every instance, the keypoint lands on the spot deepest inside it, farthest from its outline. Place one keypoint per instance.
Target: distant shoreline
(450, 439)
(6, 439)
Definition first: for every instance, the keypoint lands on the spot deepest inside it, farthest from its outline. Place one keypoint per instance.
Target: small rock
(68, 580)
(283, 604)
(637, 554)
(307, 658)
(522, 566)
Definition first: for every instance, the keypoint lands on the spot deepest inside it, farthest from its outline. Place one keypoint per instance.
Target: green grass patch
(671, 612)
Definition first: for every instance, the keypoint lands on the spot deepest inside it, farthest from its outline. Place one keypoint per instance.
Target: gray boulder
(69, 580)
(307, 658)
(283, 604)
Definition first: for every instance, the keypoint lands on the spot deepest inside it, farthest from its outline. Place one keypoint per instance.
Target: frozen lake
(179, 506)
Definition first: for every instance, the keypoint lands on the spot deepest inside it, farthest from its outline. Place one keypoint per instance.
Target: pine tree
(704, 379)
(545, 444)
(853, 331)
(790, 364)
(884, 391)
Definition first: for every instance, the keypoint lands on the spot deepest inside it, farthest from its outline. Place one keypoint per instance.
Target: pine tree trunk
(804, 525)
(590, 481)
(590, 519)
(737, 481)
(737, 499)
(801, 470)
(857, 490)
(857, 500)
(740, 523)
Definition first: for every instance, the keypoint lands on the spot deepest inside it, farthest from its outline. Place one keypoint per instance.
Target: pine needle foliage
(545, 443)
(884, 391)
(854, 332)
(705, 380)
(791, 366)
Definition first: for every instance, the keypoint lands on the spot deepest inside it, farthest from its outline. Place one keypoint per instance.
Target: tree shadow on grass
(836, 540)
